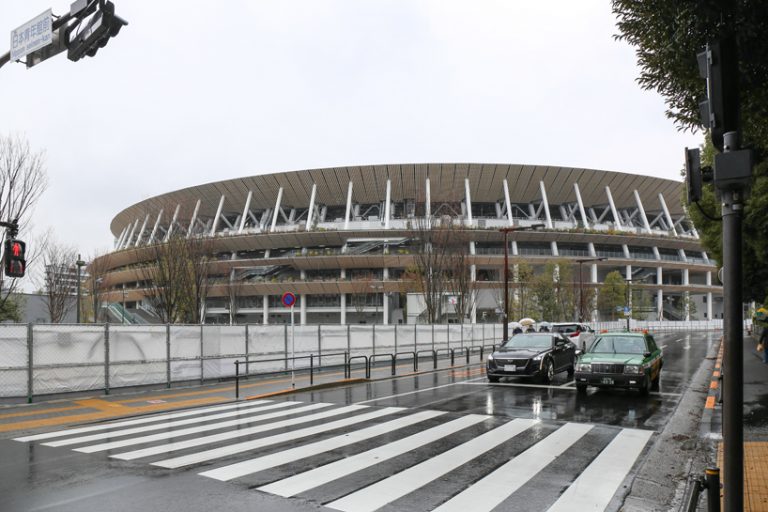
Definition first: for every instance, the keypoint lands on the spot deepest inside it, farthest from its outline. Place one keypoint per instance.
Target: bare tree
(460, 283)
(23, 179)
(177, 278)
(95, 283)
(432, 249)
(59, 279)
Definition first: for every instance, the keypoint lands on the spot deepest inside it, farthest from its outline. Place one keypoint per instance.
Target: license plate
(606, 380)
(510, 368)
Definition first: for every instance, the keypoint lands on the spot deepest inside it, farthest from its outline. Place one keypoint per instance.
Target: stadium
(347, 241)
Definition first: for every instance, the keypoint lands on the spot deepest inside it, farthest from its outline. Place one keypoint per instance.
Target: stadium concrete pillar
(643, 217)
(265, 309)
(666, 214)
(388, 204)
(349, 206)
(385, 309)
(343, 312)
(311, 209)
(173, 223)
(303, 309)
(508, 203)
(468, 201)
(709, 297)
(130, 236)
(593, 279)
(277, 209)
(141, 231)
(545, 202)
(119, 242)
(427, 201)
(614, 211)
(687, 296)
(215, 223)
(154, 228)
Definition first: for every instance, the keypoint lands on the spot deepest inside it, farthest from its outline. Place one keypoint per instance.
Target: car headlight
(633, 368)
(538, 357)
(490, 357)
(584, 367)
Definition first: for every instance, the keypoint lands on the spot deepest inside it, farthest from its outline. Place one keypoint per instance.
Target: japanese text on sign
(32, 35)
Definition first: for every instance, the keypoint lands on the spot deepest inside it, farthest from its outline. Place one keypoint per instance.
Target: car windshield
(566, 329)
(619, 345)
(528, 341)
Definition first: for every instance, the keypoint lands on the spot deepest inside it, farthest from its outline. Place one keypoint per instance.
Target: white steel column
(591, 250)
(667, 215)
(154, 228)
(141, 231)
(343, 277)
(593, 280)
(218, 214)
(245, 211)
(508, 203)
(388, 205)
(277, 209)
(130, 237)
(468, 200)
(582, 211)
(546, 204)
(687, 296)
(173, 221)
(311, 209)
(303, 309)
(385, 309)
(349, 206)
(428, 202)
(616, 218)
(628, 272)
(709, 297)
(265, 309)
(659, 294)
(119, 241)
(643, 217)
(194, 218)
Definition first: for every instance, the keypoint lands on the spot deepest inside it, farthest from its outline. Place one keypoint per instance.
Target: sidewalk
(755, 421)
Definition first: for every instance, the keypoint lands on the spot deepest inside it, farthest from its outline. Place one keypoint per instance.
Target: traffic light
(719, 65)
(15, 258)
(102, 25)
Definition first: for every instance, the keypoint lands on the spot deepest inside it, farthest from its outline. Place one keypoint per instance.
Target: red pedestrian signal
(14, 259)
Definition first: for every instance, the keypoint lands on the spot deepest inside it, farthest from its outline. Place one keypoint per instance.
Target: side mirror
(646, 354)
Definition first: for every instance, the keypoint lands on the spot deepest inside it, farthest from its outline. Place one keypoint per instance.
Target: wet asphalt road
(37, 477)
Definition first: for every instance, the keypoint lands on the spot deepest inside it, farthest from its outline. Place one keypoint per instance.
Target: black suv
(536, 355)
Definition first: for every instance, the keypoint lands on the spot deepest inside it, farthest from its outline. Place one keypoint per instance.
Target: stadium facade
(334, 235)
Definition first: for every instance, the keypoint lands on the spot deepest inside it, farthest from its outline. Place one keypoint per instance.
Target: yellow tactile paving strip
(755, 475)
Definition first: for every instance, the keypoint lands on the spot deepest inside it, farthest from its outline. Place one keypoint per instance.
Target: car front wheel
(548, 373)
(492, 378)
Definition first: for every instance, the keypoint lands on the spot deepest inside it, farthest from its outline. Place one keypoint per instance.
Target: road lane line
(225, 436)
(514, 384)
(126, 423)
(385, 491)
(244, 411)
(408, 393)
(197, 430)
(301, 482)
(490, 491)
(595, 487)
(247, 467)
(233, 449)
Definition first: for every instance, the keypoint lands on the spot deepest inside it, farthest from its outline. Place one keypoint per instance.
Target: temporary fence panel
(361, 339)
(385, 339)
(424, 336)
(67, 358)
(137, 355)
(266, 342)
(302, 341)
(222, 346)
(185, 353)
(406, 338)
(14, 360)
(441, 333)
(333, 340)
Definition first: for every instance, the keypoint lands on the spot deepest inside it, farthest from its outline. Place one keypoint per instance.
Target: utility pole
(505, 327)
(732, 177)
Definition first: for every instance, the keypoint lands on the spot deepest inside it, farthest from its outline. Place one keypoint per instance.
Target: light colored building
(324, 233)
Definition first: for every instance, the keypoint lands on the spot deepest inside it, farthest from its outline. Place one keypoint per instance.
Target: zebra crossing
(361, 458)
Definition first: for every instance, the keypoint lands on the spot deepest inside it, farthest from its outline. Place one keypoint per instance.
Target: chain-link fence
(38, 359)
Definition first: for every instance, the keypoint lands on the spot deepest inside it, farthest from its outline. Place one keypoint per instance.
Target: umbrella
(527, 321)
(512, 325)
(545, 324)
(761, 314)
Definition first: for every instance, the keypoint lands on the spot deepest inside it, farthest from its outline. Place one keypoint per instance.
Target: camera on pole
(100, 27)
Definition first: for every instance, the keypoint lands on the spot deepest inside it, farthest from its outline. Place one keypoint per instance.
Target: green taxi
(620, 360)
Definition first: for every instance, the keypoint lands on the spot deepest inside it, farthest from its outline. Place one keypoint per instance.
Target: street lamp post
(79, 263)
(581, 285)
(505, 327)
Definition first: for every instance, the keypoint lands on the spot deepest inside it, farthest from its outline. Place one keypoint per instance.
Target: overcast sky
(193, 92)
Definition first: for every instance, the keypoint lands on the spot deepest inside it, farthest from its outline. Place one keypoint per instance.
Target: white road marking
(385, 491)
(515, 385)
(242, 432)
(420, 390)
(301, 482)
(595, 487)
(139, 421)
(247, 467)
(490, 491)
(251, 411)
(233, 449)
(196, 430)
